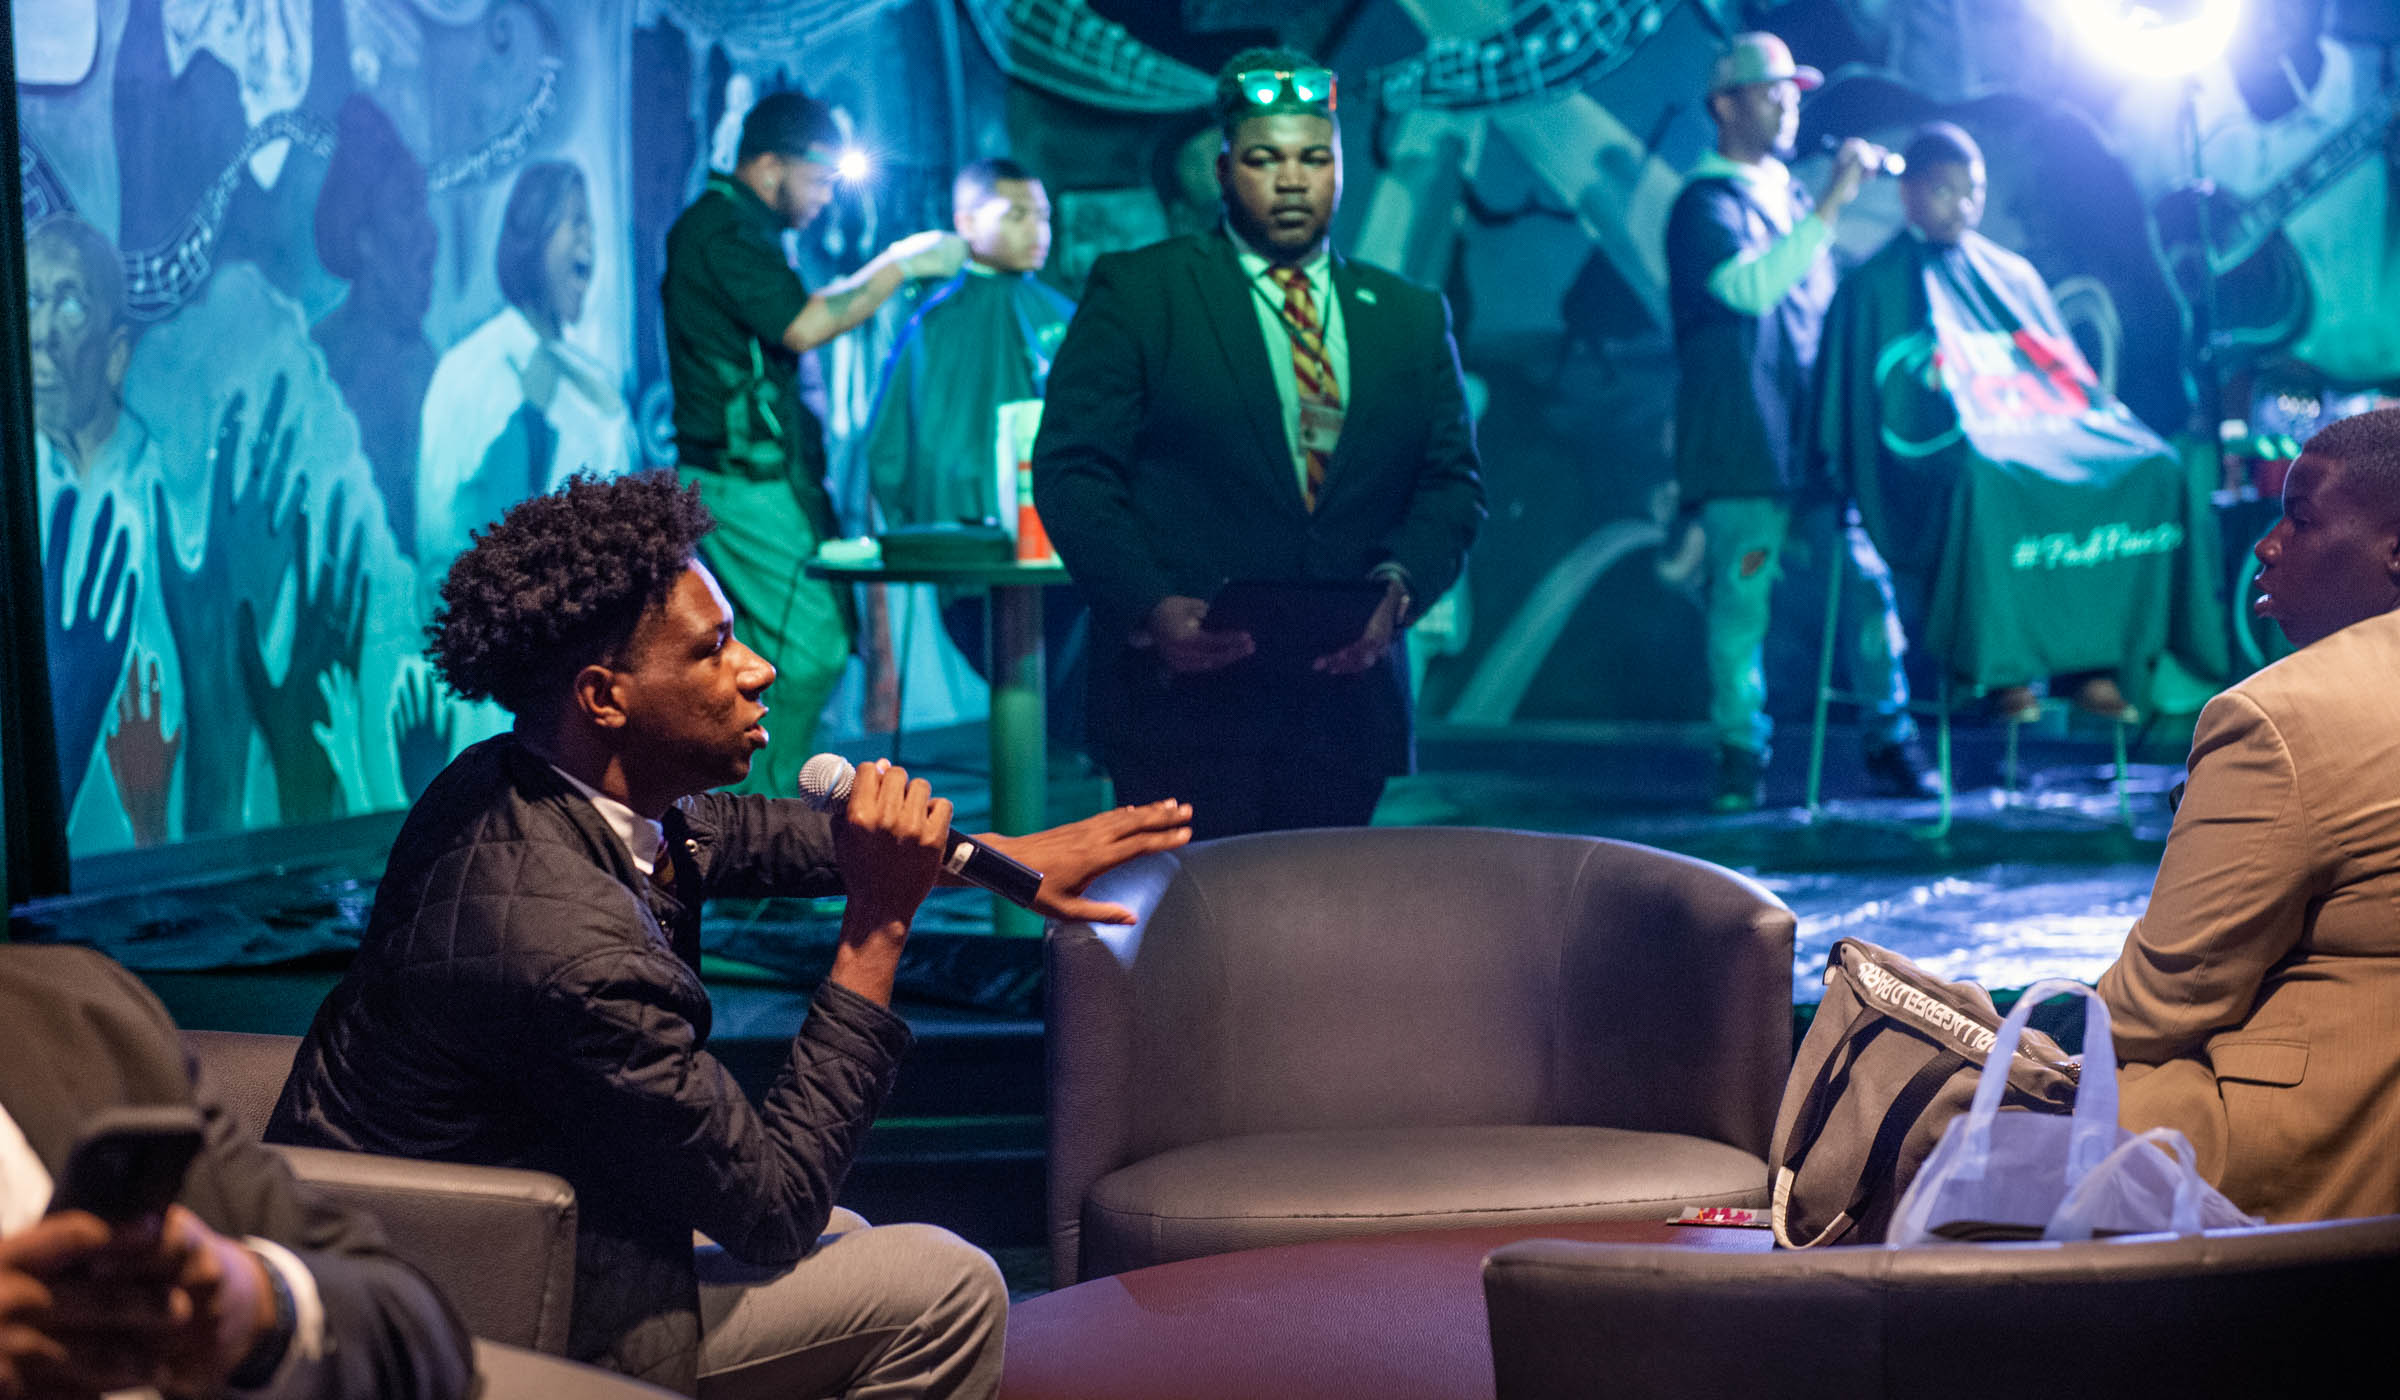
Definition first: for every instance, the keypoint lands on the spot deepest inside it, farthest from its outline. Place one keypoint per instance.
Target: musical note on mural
(1064, 47)
(1543, 48)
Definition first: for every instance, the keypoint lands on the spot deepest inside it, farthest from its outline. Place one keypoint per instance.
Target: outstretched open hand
(328, 629)
(423, 729)
(254, 508)
(141, 754)
(1070, 857)
(86, 634)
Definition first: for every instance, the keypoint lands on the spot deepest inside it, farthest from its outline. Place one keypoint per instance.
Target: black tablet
(1296, 620)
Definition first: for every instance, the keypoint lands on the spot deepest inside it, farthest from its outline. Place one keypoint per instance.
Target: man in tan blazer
(2257, 1002)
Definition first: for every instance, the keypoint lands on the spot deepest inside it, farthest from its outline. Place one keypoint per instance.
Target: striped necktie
(1311, 371)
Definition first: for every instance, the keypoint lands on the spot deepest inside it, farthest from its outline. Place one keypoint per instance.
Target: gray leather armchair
(1322, 1033)
(2286, 1310)
(500, 1243)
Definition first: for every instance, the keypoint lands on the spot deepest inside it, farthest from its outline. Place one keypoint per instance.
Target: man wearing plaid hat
(1243, 403)
(1749, 277)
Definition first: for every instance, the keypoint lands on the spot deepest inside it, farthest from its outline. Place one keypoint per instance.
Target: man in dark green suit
(1243, 403)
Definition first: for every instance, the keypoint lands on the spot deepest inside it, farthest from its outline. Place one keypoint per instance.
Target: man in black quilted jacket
(527, 993)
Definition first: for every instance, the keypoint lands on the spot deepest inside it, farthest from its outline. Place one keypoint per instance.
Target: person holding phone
(1245, 403)
(207, 1269)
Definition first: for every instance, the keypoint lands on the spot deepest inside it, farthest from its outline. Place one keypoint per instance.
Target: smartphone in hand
(129, 1162)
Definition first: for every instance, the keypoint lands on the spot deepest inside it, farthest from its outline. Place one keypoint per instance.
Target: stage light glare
(853, 165)
(2139, 39)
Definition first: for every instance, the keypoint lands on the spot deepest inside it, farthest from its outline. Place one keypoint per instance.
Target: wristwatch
(267, 1352)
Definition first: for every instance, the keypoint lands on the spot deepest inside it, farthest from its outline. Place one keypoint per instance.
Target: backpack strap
(1832, 1075)
(1883, 1157)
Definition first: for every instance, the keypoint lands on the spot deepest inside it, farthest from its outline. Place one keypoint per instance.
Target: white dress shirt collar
(1318, 265)
(643, 838)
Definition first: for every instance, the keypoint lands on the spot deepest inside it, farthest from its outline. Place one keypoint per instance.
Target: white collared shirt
(1266, 298)
(643, 838)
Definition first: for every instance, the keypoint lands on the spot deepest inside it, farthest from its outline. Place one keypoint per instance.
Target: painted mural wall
(318, 286)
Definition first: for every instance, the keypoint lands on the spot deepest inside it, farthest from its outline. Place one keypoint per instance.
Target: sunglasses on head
(1263, 87)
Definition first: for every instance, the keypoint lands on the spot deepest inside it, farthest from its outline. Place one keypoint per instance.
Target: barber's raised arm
(846, 304)
(2241, 866)
(1752, 282)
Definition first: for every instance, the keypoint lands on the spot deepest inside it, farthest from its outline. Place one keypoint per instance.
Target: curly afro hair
(560, 583)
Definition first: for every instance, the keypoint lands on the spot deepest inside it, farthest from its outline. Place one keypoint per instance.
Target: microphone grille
(825, 781)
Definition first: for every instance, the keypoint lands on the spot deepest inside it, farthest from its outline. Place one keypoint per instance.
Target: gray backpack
(1892, 1056)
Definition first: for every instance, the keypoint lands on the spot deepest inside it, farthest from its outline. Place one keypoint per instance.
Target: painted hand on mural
(343, 736)
(141, 754)
(86, 634)
(248, 544)
(329, 618)
(424, 728)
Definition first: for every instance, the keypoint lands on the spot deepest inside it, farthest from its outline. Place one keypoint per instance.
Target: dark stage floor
(2041, 881)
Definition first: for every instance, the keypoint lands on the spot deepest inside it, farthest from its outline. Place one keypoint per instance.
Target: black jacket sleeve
(1445, 511)
(751, 846)
(620, 1071)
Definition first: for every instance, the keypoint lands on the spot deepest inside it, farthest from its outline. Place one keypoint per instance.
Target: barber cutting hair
(1750, 273)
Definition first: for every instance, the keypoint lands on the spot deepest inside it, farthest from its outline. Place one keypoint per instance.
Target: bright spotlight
(2134, 36)
(852, 165)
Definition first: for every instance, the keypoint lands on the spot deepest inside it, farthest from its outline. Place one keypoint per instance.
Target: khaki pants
(875, 1313)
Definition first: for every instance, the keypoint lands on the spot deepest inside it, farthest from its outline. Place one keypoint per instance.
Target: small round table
(1375, 1317)
(1020, 738)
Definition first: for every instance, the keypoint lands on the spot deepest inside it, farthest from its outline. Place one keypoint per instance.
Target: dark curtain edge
(31, 820)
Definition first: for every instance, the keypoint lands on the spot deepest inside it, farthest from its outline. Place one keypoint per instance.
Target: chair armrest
(1664, 1320)
(452, 1222)
(1089, 1015)
(1680, 980)
(508, 1373)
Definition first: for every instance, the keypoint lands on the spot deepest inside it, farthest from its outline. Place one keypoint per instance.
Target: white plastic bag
(2022, 1175)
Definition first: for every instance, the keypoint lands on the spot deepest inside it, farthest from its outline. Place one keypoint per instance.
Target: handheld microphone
(1891, 164)
(825, 786)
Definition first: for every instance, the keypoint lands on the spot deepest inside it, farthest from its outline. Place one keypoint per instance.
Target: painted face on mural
(1944, 201)
(1281, 175)
(567, 258)
(1009, 228)
(2333, 559)
(692, 693)
(396, 248)
(79, 346)
(1758, 119)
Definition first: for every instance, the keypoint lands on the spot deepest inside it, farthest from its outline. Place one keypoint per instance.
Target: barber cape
(2050, 530)
(983, 339)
